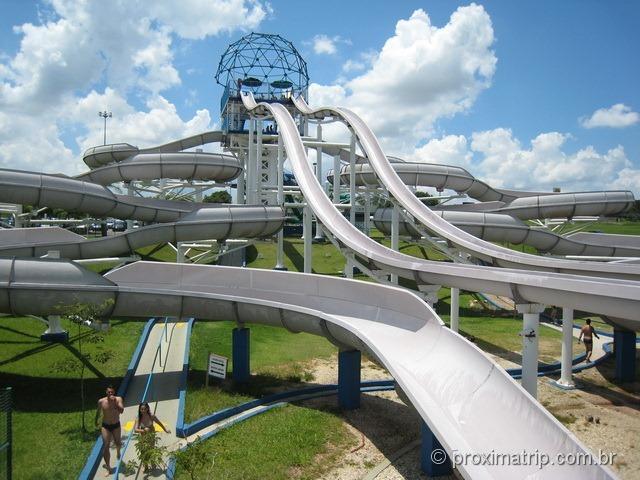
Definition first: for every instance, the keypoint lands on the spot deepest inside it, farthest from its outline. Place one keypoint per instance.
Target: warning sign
(217, 366)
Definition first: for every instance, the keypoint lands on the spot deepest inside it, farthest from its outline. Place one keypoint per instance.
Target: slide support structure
(349, 379)
(531, 324)
(455, 309)
(395, 236)
(624, 344)
(434, 460)
(566, 377)
(319, 237)
(307, 233)
(241, 354)
(55, 332)
(280, 246)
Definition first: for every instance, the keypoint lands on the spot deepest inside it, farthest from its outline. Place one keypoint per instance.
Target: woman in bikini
(146, 419)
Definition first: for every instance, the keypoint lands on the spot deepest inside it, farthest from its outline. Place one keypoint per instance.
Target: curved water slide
(493, 227)
(481, 249)
(102, 155)
(446, 378)
(218, 223)
(523, 205)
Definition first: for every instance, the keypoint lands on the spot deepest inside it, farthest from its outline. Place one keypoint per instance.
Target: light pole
(105, 115)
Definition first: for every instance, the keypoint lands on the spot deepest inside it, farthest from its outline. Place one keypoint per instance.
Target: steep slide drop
(446, 378)
(479, 248)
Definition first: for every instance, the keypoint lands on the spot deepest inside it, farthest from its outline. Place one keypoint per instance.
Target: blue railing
(157, 356)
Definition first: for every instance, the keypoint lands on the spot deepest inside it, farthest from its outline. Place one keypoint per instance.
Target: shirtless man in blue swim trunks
(111, 407)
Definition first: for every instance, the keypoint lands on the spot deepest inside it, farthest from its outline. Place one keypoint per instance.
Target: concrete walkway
(162, 395)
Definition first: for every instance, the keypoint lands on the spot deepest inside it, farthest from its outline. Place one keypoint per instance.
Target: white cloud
(421, 74)
(449, 150)
(353, 66)
(616, 116)
(500, 159)
(325, 45)
(49, 90)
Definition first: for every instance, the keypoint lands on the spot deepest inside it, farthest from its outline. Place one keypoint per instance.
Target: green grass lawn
(277, 359)
(46, 421)
(279, 442)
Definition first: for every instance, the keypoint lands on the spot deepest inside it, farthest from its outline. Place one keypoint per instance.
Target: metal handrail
(157, 356)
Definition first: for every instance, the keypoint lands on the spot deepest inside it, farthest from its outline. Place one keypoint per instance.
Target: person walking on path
(111, 406)
(587, 331)
(146, 419)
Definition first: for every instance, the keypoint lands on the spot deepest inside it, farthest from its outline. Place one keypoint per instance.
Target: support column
(349, 379)
(307, 232)
(258, 173)
(624, 344)
(280, 173)
(251, 164)
(181, 256)
(352, 179)
(319, 236)
(434, 460)
(241, 355)
(566, 378)
(455, 309)
(336, 179)
(17, 219)
(240, 182)
(367, 213)
(55, 332)
(395, 236)
(129, 193)
(531, 322)
(430, 293)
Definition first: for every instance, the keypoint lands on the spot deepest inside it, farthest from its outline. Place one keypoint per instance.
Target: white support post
(566, 377)
(240, 181)
(352, 179)
(130, 192)
(280, 173)
(258, 177)
(251, 168)
(455, 309)
(307, 227)
(395, 236)
(531, 322)
(319, 236)
(336, 179)
(180, 254)
(18, 223)
(367, 213)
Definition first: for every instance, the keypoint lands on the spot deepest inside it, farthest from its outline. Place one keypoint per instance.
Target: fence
(5, 434)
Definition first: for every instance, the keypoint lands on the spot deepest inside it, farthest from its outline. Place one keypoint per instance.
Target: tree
(429, 203)
(220, 196)
(150, 453)
(83, 315)
(195, 460)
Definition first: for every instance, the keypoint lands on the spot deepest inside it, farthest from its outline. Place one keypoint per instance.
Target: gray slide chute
(152, 166)
(523, 205)
(494, 227)
(56, 191)
(218, 223)
(102, 155)
(593, 294)
(481, 249)
(445, 377)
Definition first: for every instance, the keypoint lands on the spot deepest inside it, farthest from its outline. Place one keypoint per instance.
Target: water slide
(218, 223)
(523, 205)
(493, 227)
(481, 249)
(444, 376)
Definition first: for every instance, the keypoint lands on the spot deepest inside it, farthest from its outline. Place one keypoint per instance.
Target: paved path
(162, 396)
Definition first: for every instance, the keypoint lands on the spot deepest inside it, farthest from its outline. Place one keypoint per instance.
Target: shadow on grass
(24, 334)
(295, 257)
(53, 395)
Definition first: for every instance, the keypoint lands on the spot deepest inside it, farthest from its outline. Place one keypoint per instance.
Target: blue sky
(518, 118)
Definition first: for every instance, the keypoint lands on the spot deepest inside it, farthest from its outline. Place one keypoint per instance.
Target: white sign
(217, 366)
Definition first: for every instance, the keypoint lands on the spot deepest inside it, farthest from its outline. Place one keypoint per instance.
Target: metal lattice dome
(264, 63)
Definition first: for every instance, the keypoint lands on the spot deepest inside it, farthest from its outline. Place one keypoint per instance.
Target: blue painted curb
(91, 465)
